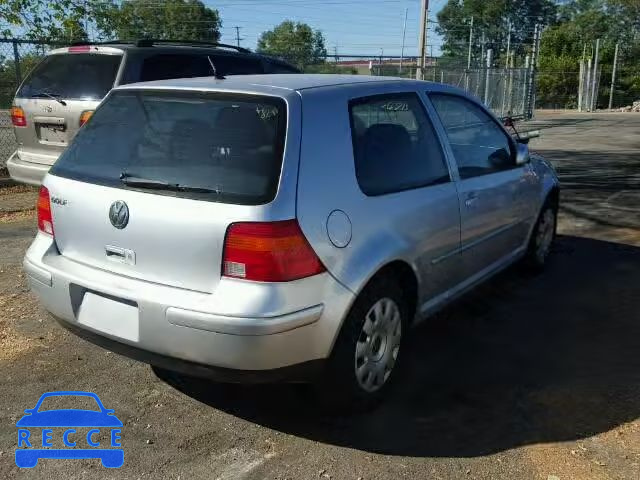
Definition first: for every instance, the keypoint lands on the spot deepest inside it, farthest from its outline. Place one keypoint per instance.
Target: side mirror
(522, 154)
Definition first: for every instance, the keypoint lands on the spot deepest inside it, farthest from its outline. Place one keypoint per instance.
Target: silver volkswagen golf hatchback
(292, 227)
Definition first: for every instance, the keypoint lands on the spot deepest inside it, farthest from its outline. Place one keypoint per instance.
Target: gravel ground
(528, 377)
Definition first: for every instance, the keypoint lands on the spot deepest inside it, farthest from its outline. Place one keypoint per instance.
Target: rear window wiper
(136, 181)
(52, 96)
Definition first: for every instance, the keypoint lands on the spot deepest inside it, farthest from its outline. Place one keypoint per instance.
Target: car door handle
(471, 199)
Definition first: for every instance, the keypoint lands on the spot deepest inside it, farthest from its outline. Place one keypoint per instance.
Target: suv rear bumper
(174, 335)
(27, 172)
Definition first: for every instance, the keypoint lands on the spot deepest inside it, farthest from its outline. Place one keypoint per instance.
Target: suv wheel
(366, 356)
(542, 237)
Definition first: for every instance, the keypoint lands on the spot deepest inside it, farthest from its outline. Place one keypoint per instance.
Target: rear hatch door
(151, 183)
(55, 95)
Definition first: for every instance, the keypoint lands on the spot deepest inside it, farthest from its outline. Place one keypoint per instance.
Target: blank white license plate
(109, 316)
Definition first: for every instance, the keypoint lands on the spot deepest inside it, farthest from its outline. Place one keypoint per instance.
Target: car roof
(266, 83)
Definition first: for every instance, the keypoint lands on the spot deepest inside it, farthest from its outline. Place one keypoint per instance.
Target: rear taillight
(85, 116)
(269, 252)
(18, 118)
(45, 220)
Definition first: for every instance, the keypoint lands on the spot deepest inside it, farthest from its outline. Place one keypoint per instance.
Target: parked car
(285, 226)
(62, 92)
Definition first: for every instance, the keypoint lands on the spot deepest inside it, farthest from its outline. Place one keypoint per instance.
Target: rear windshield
(73, 76)
(218, 147)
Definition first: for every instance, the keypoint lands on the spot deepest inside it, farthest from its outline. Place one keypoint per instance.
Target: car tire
(366, 358)
(542, 237)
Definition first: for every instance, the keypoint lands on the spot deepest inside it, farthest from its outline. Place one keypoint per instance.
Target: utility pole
(581, 85)
(587, 90)
(238, 35)
(404, 35)
(532, 73)
(613, 76)
(525, 83)
(506, 63)
(468, 72)
(594, 78)
(470, 43)
(487, 82)
(506, 73)
(422, 39)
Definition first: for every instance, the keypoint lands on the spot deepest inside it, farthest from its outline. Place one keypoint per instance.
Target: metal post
(613, 76)
(510, 88)
(441, 76)
(422, 40)
(532, 74)
(404, 34)
(506, 63)
(488, 76)
(16, 62)
(482, 43)
(587, 91)
(527, 63)
(504, 76)
(466, 79)
(580, 85)
(470, 44)
(594, 81)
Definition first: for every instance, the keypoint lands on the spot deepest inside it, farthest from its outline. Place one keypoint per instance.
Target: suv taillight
(45, 219)
(84, 117)
(268, 252)
(18, 118)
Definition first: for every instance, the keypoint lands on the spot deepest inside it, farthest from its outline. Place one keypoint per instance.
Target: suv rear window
(219, 147)
(72, 76)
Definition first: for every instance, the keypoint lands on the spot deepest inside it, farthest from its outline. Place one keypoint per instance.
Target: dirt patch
(17, 189)
(17, 306)
(6, 217)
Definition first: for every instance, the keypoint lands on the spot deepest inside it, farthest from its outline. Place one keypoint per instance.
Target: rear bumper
(27, 172)
(301, 372)
(275, 331)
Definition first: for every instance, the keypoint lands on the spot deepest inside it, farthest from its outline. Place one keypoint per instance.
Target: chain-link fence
(506, 91)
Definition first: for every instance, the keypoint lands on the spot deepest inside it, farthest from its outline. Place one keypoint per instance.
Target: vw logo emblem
(119, 214)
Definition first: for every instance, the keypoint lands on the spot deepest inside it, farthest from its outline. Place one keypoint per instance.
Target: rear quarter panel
(383, 228)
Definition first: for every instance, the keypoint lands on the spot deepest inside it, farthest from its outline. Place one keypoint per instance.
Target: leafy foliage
(491, 17)
(573, 36)
(164, 19)
(67, 20)
(297, 43)
(62, 20)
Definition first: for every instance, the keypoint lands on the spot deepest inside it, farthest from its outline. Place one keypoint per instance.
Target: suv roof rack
(107, 42)
(149, 42)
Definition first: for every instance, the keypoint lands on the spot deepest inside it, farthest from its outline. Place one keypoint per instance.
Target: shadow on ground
(521, 360)
(601, 186)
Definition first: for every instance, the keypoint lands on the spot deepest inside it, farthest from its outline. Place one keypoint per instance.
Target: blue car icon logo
(39, 429)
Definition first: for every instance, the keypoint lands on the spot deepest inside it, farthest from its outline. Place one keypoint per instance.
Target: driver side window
(479, 145)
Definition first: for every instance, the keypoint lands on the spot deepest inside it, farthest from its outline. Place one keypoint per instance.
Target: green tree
(296, 42)
(491, 17)
(63, 20)
(57, 21)
(580, 23)
(162, 19)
